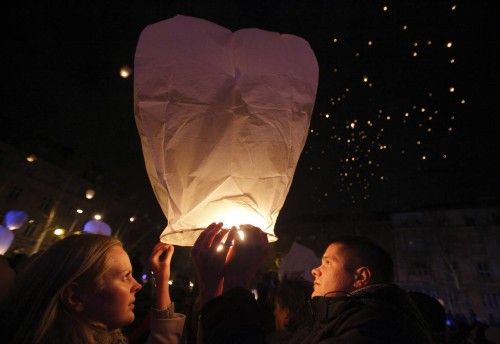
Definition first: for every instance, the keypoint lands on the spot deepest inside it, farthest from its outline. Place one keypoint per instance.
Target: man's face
(333, 274)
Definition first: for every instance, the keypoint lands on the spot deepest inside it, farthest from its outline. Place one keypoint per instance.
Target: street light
(89, 194)
(31, 158)
(125, 72)
(97, 216)
(59, 231)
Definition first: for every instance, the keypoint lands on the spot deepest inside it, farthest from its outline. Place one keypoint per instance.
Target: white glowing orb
(125, 72)
(31, 158)
(89, 194)
(59, 231)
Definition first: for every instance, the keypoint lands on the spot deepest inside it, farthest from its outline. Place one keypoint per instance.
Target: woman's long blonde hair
(37, 311)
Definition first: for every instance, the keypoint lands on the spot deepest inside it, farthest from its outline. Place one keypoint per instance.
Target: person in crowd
(291, 306)
(81, 290)
(353, 300)
(7, 276)
(225, 265)
(433, 313)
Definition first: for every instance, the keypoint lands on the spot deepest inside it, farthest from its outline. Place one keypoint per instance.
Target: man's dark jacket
(374, 314)
(381, 313)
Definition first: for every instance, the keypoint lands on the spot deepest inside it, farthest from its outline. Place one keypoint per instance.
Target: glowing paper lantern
(6, 238)
(223, 118)
(97, 227)
(15, 219)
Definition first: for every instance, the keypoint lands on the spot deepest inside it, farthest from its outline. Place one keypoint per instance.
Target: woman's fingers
(161, 249)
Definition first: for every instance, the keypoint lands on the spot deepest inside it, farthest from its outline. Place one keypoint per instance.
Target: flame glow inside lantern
(97, 227)
(6, 238)
(223, 117)
(15, 219)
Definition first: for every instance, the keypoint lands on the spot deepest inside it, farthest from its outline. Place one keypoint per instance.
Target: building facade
(59, 198)
(452, 254)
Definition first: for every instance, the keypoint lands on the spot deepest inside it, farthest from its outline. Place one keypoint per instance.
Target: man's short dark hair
(361, 251)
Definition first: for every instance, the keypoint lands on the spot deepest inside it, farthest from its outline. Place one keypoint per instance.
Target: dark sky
(389, 130)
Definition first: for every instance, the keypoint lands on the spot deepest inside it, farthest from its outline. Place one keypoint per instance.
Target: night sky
(406, 113)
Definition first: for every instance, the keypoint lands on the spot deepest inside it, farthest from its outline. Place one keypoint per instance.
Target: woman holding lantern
(81, 290)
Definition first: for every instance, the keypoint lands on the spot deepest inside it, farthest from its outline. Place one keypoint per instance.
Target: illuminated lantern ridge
(223, 118)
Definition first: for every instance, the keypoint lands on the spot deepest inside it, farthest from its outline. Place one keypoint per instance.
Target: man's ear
(363, 277)
(72, 298)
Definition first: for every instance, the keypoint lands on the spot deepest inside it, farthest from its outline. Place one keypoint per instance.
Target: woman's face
(113, 303)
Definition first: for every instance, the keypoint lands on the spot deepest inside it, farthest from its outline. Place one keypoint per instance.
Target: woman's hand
(159, 262)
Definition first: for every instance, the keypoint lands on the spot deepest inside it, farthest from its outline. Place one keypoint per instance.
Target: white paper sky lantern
(6, 238)
(223, 118)
(97, 227)
(15, 219)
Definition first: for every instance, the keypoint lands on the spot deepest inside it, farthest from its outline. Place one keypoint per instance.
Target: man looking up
(354, 300)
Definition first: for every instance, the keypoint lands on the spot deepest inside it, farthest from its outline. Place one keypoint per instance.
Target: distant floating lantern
(31, 158)
(125, 72)
(89, 194)
(15, 219)
(97, 227)
(223, 118)
(6, 238)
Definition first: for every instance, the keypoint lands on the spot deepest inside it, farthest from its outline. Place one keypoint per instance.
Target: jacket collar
(324, 308)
